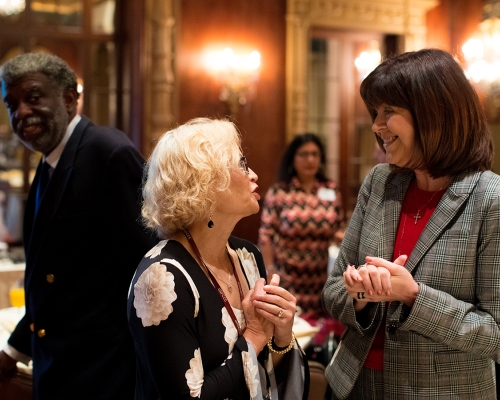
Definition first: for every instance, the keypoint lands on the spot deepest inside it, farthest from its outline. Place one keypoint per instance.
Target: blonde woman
(204, 322)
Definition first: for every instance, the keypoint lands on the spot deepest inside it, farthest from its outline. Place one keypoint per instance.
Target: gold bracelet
(285, 350)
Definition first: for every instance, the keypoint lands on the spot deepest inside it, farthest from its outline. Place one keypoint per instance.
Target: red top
(418, 206)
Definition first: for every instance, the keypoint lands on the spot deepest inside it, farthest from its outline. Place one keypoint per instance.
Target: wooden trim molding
(160, 78)
(400, 17)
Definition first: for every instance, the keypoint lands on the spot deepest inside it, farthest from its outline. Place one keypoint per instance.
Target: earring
(210, 222)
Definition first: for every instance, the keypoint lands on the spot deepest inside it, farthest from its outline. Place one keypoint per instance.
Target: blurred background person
(417, 279)
(203, 322)
(301, 217)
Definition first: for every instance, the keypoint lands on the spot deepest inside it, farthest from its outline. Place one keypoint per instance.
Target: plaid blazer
(444, 346)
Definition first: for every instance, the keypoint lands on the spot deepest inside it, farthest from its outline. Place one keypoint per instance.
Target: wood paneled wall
(260, 25)
(255, 24)
(453, 22)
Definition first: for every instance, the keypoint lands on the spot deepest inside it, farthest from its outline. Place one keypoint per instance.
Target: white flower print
(231, 334)
(195, 374)
(249, 265)
(154, 294)
(251, 372)
(155, 251)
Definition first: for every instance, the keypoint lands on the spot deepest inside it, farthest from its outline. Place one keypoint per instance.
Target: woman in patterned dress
(301, 217)
(204, 322)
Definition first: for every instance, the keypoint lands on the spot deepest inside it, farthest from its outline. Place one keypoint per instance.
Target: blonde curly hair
(189, 166)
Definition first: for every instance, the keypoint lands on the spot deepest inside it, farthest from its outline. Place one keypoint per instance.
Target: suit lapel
(29, 213)
(449, 206)
(397, 186)
(36, 227)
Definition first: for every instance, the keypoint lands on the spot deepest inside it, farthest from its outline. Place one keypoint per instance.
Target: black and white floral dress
(186, 343)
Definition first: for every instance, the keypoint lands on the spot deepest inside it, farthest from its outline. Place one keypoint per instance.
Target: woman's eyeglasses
(307, 154)
(244, 165)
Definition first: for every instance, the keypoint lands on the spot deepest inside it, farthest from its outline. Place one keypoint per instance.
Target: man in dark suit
(82, 237)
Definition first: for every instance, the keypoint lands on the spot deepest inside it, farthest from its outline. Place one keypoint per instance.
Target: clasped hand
(269, 311)
(380, 280)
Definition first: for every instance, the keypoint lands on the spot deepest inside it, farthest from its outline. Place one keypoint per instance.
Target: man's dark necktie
(42, 184)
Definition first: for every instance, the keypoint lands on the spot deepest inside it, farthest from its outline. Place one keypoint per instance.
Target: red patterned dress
(301, 226)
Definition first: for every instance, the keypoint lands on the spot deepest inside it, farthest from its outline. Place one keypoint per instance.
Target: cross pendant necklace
(417, 215)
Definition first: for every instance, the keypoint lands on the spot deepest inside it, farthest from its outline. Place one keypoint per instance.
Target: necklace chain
(402, 234)
(214, 282)
(417, 215)
(228, 284)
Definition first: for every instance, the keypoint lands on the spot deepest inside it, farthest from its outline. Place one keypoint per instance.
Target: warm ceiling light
(11, 7)
(482, 51)
(368, 60)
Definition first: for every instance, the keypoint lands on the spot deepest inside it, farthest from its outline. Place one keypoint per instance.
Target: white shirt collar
(55, 155)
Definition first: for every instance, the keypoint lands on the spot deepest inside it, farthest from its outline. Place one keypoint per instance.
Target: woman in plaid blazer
(417, 280)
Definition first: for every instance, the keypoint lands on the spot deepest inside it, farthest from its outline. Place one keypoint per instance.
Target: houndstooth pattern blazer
(445, 346)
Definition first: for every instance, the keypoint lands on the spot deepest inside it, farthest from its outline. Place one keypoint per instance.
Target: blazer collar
(450, 205)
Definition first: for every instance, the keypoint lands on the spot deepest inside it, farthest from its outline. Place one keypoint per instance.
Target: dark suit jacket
(81, 252)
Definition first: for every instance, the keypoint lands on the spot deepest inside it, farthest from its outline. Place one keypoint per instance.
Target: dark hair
(451, 133)
(55, 68)
(287, 171)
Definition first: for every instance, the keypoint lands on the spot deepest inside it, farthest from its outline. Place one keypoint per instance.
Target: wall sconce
(482, 51)
(368, 60)
(237, 74)
(10, 7)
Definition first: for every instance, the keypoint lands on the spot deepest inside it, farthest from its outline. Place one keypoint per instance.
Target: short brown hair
(451, 132)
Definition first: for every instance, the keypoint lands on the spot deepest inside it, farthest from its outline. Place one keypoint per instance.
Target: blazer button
(392, 328)
(32, 327)
(50, 278)
(41, 333)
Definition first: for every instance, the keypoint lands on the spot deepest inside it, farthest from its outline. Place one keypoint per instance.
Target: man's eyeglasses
(244, 165)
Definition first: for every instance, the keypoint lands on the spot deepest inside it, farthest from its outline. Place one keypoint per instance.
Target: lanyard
(221, 293)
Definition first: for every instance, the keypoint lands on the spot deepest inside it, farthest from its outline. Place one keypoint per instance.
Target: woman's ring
(280, 313)
(361, 295)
